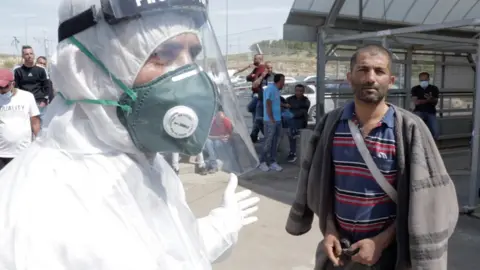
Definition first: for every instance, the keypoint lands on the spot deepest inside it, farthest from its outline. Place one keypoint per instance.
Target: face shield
(176, 103)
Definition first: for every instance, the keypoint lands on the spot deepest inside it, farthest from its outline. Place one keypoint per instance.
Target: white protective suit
(82, 197)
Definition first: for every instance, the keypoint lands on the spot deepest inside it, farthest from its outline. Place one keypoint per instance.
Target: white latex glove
(219, 230)
(242, 203)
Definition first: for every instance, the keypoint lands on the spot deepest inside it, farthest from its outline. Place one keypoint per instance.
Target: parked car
(290, 80)
(310, 93)
(310, 80)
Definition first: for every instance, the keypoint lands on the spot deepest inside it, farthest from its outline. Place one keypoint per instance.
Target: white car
(290, 80)
(310, 92)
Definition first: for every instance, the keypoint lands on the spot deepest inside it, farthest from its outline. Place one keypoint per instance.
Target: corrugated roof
(399, 11)
(379, 15)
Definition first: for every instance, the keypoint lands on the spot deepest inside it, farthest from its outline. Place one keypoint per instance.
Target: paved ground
(265, 245)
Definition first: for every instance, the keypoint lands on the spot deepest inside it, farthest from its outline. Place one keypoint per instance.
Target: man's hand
(369, 252)
(333, 249)
(420, 101)
(428, 97)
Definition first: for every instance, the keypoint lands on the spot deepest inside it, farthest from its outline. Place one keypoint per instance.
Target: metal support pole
(321, 62)
(475, 171)
(408, 79)
(442, 84)
(385, 42)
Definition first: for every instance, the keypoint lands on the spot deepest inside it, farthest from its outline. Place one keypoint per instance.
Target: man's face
(269, 68)
(423, 78)
(42, 62)
(28, 56)
(299, 91)
(170, 55)
(7, 88)
(219, 118)
(371, 78)
(257, 59)
(281, 83)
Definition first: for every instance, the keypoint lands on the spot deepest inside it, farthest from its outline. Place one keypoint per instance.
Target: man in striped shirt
(363, 213)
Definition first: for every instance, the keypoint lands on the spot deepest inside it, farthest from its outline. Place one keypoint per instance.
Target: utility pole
(226, 36)
(46, 47)
(45, 42)
(205, 54)
(15, 43)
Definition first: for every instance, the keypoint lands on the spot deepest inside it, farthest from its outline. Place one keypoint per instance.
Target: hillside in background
(9, 61)
(288, 57)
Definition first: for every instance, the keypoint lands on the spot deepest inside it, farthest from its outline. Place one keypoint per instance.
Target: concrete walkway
(265, 245)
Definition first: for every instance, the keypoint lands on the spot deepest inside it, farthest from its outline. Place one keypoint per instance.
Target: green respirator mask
(173, 113)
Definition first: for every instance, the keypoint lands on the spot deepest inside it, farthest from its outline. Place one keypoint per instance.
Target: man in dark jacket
(298, 105)
(32, 78)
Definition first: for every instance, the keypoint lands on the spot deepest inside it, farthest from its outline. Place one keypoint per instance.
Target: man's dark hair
(257, 54)
(278, 77)
(373, 49)
(42, 57)
(424, 73)
(300, 86)
(24, 47)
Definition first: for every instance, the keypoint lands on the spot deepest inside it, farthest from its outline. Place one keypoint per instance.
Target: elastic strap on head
(82, 48)
(128, 91)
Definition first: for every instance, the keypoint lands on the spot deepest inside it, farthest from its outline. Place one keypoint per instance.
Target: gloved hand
(219, 230)
(240, 204)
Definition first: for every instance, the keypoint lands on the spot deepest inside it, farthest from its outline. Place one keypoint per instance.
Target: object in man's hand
(347, 253)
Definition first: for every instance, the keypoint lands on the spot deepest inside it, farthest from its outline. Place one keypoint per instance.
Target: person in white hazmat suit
(92, 192)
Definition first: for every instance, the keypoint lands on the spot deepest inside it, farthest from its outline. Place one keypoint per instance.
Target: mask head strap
(120, 84)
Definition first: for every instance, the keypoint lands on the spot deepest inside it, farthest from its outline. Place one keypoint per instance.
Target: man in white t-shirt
(19, 118)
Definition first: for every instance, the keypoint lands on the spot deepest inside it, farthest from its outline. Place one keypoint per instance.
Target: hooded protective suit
(83, 196)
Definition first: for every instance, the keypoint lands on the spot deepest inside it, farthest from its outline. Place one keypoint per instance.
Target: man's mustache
(369, 86)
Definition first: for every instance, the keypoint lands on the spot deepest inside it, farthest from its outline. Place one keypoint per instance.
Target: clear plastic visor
(228, 146)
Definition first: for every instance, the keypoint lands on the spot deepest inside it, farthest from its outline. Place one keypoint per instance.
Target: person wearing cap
(93, 190)
(19, 118)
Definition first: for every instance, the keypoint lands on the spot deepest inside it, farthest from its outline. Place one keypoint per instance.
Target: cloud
(255, 11)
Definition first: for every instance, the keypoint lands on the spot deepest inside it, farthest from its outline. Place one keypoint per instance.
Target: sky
(249, 21)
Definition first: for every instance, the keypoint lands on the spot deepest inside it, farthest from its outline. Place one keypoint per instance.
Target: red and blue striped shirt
(362, 208)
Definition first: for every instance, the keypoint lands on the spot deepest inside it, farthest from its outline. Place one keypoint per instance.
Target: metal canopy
(454, 20)
(407, 12)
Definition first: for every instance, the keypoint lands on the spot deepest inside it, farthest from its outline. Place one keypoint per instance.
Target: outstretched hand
(242, 203)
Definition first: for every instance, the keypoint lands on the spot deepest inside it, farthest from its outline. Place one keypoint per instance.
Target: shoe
(291, 158)
(264, 167)
(177, 171)
(275, 167)
(202, 170)
(212, 170)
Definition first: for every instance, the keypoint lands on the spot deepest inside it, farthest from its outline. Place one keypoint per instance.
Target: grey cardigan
(427, 210)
